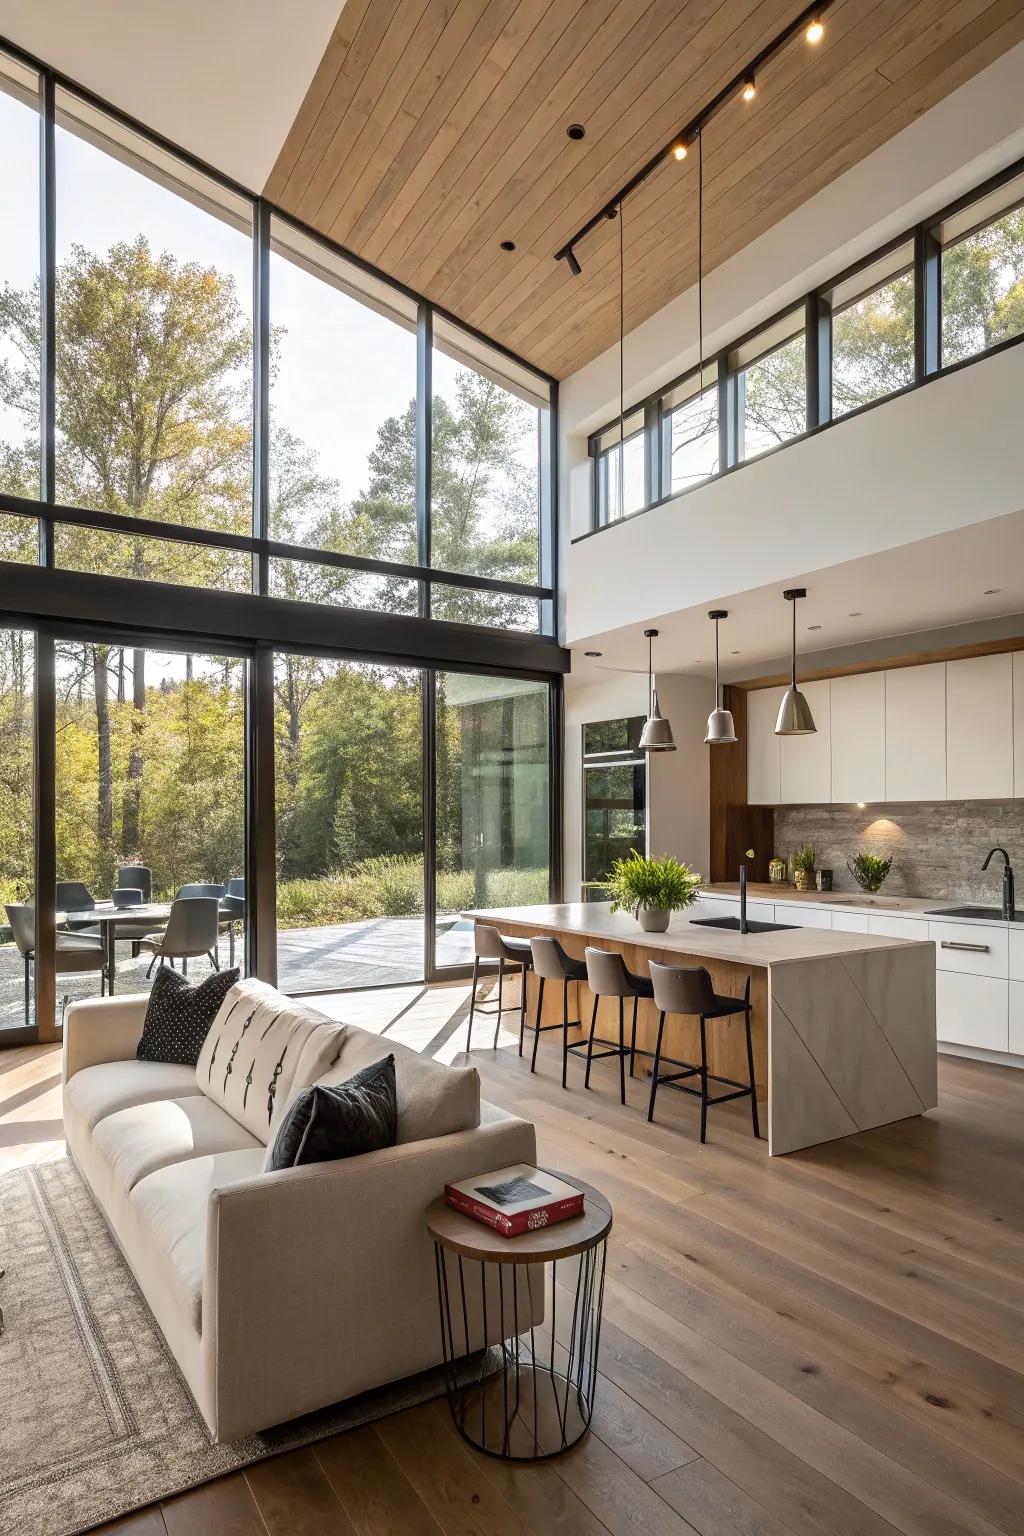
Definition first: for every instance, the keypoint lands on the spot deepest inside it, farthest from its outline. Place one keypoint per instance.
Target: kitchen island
(843, 1023)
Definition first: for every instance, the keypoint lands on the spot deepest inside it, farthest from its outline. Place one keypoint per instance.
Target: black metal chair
(551, 963)
(138, 877)
(75, 896)
(688, 991)
(607, 976)
(490, 945)
(232, 911)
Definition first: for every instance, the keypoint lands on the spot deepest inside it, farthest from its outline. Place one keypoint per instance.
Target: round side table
(527, 1311)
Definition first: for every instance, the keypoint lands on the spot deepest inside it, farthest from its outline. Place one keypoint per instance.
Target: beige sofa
(277, 1292)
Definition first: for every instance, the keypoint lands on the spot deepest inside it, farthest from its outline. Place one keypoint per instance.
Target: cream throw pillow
(262, 1049)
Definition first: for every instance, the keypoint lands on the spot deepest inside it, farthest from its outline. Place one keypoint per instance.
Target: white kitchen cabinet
(851, 922)
(1018, 724)
(979, 728)
(972, 1010)
(1017, 1017)
(764, 757)
(806, 917)
(915, 732)
(981, 951)
(898, 927)
(1016, 936)
(806, 761)
(857, 709)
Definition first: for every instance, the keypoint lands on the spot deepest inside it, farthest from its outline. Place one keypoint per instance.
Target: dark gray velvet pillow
(178, 1017)
(325, 1123)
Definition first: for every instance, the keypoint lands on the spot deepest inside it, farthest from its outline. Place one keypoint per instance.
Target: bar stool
(551, 963)
(688, 990)
(489, 944)
(607, 976)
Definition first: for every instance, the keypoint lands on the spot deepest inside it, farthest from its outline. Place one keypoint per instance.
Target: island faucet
(1008, 896)
(743, 899)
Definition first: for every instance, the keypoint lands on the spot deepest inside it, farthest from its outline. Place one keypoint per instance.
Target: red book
(514, 1200)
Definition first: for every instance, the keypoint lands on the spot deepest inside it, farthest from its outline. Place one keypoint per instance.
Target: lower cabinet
(805, 917)
(973, 1010)
(851, 922)
(1017, 1017)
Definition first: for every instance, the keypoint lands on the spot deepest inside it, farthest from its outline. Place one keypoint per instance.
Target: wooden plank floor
(829, 1344)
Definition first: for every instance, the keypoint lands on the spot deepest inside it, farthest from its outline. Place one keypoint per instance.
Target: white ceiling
(930, 584)
(222, 78)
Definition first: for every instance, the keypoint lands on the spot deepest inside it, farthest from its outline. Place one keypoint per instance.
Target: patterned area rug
(95, 1417)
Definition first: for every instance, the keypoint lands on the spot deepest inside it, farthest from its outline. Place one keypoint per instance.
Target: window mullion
(48, 313)
(424, 409)
(927, 304)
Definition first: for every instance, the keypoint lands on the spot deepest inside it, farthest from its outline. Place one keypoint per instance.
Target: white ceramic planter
(653, 919)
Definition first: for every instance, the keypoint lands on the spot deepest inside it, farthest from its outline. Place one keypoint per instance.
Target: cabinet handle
(975, 949)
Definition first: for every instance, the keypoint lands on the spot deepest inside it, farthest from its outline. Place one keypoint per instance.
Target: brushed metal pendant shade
(794, 718)
(656, 735)
(721, 731)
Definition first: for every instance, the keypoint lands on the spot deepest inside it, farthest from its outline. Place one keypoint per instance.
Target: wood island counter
(843, 1023)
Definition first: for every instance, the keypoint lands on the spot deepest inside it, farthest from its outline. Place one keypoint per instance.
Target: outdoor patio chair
(75, 896)
(139, 876)
(232, 911)
(210, 888)
(191, 931)
(76, 952)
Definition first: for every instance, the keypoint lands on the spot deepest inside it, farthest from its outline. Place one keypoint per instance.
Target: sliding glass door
(17, 841)
(349, 802)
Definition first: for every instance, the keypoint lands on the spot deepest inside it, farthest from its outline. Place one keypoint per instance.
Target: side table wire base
(534, 1394)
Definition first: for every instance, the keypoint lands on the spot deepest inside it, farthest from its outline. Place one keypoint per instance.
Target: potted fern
(651, 889)
(869, 871)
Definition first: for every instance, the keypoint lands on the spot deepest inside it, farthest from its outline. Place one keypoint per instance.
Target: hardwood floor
(828, 1344)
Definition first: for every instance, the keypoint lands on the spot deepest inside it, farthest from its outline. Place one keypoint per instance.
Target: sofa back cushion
(262, 1049)
(433, 1099)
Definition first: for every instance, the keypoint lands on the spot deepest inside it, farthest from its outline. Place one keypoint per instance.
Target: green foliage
(663, 885)
(393, 887)
(804, 857)
(869, 871)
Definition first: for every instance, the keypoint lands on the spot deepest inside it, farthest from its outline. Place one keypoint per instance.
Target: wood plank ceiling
(436, 129)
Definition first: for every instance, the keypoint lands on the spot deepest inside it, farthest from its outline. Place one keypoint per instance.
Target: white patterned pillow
(262, 1049)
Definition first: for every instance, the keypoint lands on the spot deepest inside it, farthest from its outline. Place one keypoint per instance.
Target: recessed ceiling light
(593, 653)
(576, 131)
(734, 653)
(508, 245)
(856, 614)
(991, 591)
(814, 626)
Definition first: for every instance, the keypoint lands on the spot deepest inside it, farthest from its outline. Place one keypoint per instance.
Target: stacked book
(514, 1200)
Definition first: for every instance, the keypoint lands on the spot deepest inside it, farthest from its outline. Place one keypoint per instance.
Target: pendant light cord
(622, 369)
(718, 686)
(793, 606)
(700, 270)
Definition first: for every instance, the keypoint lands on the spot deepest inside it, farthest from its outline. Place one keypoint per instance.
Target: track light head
(815, 30)
(679, 150)
(749, 89)
(574, 266)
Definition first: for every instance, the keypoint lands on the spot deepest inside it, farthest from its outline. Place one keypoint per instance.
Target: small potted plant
(869, 871)
(803, 868)
(652, 889)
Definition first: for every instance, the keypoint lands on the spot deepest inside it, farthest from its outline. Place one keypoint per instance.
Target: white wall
(939, 458)
(678, 784)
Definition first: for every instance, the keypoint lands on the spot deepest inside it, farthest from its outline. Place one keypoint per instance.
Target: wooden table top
(474, 1240)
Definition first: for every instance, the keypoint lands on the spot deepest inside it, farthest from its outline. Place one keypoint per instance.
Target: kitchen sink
(991, 913)
(733, 924)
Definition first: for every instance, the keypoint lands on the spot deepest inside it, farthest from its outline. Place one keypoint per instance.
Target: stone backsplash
(937, 848)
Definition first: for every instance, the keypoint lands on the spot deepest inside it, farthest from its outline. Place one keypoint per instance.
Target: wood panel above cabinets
(945, 730)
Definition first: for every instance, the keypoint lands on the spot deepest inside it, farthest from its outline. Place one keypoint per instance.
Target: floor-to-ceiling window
(17, 838)
(492, 808)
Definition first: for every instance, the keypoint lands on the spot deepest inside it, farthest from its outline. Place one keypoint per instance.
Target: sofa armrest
(320, 1281)
(102, 1029)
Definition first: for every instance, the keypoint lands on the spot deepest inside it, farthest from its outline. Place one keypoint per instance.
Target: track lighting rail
(809, 17)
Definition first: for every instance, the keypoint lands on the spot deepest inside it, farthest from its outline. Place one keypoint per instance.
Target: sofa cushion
(261, 1049)
(433, 1099)
(174, 1203)
(326, 1124)
(102, 1090)
(178, 1016)
(139, 1140)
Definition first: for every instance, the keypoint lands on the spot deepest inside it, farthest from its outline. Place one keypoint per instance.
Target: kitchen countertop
(850, 901)
(595, 920)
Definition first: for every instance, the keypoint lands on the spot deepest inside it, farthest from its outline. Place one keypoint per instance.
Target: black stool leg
(622, 1050)
(590, 1045)
(632, 1044)
(522, 1007)
(750, 1064)
(472, 1002)
(657, 1064)
(501, 979)
(565, 1030)
(703, 1081)
(536, 1028)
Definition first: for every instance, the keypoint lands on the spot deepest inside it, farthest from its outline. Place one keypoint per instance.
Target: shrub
(391, 885)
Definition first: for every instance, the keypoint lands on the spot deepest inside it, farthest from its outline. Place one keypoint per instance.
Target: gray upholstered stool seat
(551, 963)
(607, 976)
(688, 990)
(490, 945)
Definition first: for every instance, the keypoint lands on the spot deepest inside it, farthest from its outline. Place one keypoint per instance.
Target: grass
(392, 886)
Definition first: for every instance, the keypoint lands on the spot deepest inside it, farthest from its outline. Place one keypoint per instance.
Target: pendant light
(795, 718)
(656, 735)
(721, 728)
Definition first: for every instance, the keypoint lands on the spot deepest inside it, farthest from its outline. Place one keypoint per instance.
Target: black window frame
(928, 365)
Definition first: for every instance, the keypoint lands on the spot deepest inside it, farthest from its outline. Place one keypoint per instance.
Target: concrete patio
(371, 953)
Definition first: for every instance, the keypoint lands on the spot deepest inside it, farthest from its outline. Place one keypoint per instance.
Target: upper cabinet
(806, 761)
(979, 728)
(858, 737)
(942, 731)
(915, 733)
(764, 759)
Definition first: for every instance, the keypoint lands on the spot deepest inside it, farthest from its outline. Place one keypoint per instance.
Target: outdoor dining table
(106, 917)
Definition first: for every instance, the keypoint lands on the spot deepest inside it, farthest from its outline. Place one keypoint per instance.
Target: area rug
(95, 1417)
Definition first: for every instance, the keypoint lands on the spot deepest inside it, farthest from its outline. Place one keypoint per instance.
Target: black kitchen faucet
(1008, 897)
